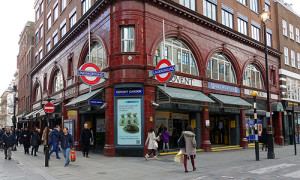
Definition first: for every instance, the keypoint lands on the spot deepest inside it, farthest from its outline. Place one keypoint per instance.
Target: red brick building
(24, 64)
(217, 46)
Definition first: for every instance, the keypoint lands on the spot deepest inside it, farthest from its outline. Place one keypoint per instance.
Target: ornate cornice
(199, 19)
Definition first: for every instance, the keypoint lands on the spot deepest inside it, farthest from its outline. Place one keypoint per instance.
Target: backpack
(181, 142)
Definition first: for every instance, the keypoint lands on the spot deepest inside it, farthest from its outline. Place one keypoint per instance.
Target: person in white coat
(152, 143)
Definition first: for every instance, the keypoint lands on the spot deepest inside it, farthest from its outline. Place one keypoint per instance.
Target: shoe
(83, 155)
(147, 156)
(35, 155)
(186, 171)
(9, 158)
(87, 156)
(66, 165)
(57, 157)
(5, 157)
(194, 169)
(155, 157)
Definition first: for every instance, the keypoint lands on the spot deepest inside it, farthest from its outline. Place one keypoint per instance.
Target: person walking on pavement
(165, 139)
(35, 138)
(44, 142)
(25, 136)
(152, 143)
(8, 141)
(54, 138)
(67, 144)
(86, 137)
(190, 147)
(264, 139)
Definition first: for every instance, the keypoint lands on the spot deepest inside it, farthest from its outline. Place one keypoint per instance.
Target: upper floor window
(242, 26)
(293, 58)
(227, 18)
(284, 28)
(40, 53)
(48, 45)
(36, 57)
(269, 39)
(57, 82)
(86, 4)
(220, 68)
(210, 9)
(253, 78)
(37, 37)
(63, 5)
(98, 55)
(41, 32)
(37, 93)
(42, 6)
(244, 2)
(179, 53)
(297, 35)
(127, 39)
(191, 4)
(49, 21)
(55, 38)
(55, 12)
(286, 56)
(37, 14)
(293, 88)
(63, 29)
(255, 33)
(291, 31)
(298, 60)
(72, 17)
(267, 7)
(254, 5)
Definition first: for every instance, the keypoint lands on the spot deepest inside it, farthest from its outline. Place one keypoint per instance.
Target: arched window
(57, 82)
(179, 53)
(220, 68)
(98, 55)
(253, 77)
(37, 93)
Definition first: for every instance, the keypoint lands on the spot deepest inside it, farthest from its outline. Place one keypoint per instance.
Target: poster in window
(129, 121)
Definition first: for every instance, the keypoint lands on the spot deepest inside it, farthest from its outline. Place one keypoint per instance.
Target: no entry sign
(90, 73)
(49, 108)
(164, 71)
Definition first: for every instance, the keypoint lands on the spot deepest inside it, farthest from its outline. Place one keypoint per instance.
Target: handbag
(73, 156)
(179, 157)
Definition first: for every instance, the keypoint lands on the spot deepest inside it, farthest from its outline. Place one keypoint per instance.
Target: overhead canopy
(277, 106)
(181, 96)
(31, 114)
(226, 100)
(85, 97)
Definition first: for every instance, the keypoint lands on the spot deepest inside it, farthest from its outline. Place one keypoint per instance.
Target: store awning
(84, 97)
(230, 101)
(181, 96)
(31, 114)
(277, 107)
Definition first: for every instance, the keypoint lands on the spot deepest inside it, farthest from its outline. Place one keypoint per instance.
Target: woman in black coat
(264, 138)
(25, 135)
(35, 138)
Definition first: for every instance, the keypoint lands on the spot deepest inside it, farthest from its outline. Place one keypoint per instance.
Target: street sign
(95, 102)
(165, 70)
(90, 73)
(49, 108)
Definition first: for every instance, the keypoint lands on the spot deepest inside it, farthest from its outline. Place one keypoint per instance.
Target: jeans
(66, 153)
(152, 151)
(7, 152)
(55, 148)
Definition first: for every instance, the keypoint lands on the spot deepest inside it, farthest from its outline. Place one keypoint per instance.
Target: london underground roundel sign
(90, 73)
(49, 108)
(164, 71)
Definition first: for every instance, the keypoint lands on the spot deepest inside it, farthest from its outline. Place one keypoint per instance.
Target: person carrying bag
(152, 143)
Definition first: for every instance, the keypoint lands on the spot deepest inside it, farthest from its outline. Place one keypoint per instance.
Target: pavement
(235, 164)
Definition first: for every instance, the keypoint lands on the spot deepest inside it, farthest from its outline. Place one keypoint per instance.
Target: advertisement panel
(129, 121)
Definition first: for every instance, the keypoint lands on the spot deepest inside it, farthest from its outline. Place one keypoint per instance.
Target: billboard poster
(129, 121)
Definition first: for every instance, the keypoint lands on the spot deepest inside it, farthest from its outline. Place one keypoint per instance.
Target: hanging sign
(165, 70)
(90, 73)
(49, 108)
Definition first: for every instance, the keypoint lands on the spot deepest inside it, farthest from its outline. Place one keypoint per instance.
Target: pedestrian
(40, 140)
(35, 138)
(264, 139)
(159, 132)
(85, 138)
(54, 138)
(165, 139)
(190, 147)
(44, 142)
(67, 144)
(25, 135)
(8, 140)
(152, 143)
(17, 135)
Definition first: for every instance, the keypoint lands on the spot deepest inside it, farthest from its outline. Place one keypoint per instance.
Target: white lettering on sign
(260, 94)
(186, 81)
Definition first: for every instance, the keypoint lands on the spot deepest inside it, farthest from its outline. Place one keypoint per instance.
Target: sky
(12, 24)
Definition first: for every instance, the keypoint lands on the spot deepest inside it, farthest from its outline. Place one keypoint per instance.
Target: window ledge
(62, 11)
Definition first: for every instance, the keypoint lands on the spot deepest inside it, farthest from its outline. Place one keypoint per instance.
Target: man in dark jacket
(54, 138)
(35, 138)
(85, 138)
(67, 143)
(8, 141)
(25, 135)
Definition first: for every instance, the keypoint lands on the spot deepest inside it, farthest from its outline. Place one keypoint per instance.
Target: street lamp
(271, 155)
(14, 120)
(254, 94)
(156, 55)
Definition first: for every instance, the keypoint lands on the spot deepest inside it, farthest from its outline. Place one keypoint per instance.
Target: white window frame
(297, 35)
(40, 53)
(210, 10)
(42, 6)
(48, 45)
(269, 39)
(247, 78)
(298, 60)
(191, 4)
(254, 5)
(244, 2)
(127, 40)
(55, 36)
(227, 18)
(243, 26)
(63, 28)
(286, 56)
(284, 28)
(293, 58)
(55, 11)
(72, 17)
(86, 5)
(291, 29)
(49, 22)
(255, 32)
(63, 5)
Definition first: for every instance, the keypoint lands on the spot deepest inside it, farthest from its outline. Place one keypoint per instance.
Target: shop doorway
(219, 129)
